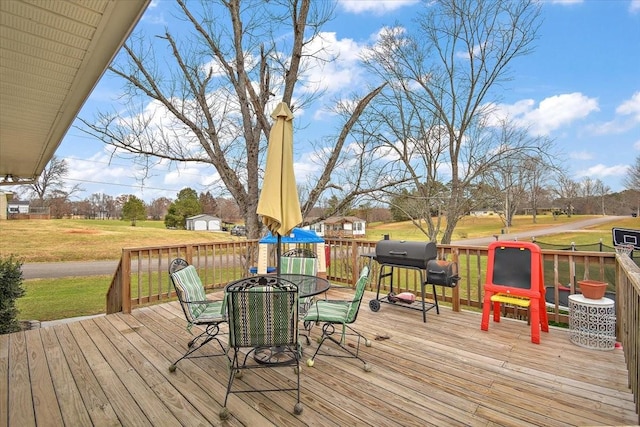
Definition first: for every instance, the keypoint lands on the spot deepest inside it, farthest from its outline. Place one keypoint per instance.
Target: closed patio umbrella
(278, 203)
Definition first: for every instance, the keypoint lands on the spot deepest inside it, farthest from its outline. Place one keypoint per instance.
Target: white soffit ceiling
(52, 54)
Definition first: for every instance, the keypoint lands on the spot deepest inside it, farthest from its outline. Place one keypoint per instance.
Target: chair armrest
(345, 301)
(207, 301)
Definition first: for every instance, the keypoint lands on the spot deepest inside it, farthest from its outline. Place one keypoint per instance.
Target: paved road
(47, 270)
(527, 235)
(94, 268)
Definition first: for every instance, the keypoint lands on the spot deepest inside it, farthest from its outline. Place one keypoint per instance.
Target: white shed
(204, 222)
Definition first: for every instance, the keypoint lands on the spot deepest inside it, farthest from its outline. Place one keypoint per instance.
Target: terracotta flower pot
(592, 289)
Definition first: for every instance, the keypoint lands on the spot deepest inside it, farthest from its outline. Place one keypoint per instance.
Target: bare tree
(632, 179)
(539, 170)
(210, 101)
(59, 204)
(433, 116)
(601, 190)
(51, 182)
(102, 206)
(208, 203)
(587, 192)
(566, 190)
(509, 184)
(632, 182)
(158, 207)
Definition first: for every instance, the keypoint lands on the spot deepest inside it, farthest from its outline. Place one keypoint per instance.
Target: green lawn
(51, 299)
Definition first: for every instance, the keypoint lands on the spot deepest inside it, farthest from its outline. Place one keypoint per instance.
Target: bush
(10, 290)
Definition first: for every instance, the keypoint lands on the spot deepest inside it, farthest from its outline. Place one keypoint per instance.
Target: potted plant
(592, 289)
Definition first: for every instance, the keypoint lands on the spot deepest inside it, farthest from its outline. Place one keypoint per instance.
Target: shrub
(10, 290)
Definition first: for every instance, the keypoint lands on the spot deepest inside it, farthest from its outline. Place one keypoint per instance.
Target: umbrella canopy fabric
(278, 203)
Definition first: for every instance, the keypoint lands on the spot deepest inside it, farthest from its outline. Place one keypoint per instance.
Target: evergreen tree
(10, 290)
(208, 204)
(187, 204)
(133, 210)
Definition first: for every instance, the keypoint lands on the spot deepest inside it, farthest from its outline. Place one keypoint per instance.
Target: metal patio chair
(299, 253)
(198, 310)
(263, 317)
(298, 261)
(342, 313)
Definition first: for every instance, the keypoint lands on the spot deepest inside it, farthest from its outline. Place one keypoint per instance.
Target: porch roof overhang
(52, 54)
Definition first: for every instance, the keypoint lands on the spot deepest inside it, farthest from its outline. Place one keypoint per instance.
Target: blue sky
(580, 87)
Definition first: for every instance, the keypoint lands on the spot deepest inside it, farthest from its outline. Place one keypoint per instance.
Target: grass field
(77, 240)
(474, 227)
(90, 240)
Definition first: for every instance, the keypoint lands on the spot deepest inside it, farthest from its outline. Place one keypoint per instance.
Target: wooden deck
(113, 370)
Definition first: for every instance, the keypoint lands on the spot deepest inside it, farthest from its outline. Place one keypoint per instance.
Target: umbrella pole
(278, 255)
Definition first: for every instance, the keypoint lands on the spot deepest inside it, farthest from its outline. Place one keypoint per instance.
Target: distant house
(339, 226)
(542, 211)
(483, 212)
(204, 222)
(18, 207)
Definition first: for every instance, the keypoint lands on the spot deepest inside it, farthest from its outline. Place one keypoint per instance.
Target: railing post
(114, 300)
(189, 253)
(455, 291)
(354, 262)
(126, 281)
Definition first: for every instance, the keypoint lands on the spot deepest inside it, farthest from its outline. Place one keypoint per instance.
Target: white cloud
(631, 107)
(338, 68)
(187, 176)
(551, 114)
(305, 170)
(560, 110)
(377, 7)
(636, 145)
(634, 6)
(153, 15)
(476, 52)
(602, 171)
(627, 117)
(580, 155)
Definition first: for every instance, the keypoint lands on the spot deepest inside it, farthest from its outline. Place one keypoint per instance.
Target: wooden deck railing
(628, 319)
(142, 274)
(141, 278)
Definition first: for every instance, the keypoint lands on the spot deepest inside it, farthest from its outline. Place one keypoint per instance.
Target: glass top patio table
(308, 285)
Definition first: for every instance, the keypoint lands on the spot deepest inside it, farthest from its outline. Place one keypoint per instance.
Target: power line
(141, 187)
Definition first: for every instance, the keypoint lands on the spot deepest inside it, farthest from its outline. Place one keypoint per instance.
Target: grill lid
(405, 254)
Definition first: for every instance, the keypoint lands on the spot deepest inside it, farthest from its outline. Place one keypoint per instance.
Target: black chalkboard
(512, 267)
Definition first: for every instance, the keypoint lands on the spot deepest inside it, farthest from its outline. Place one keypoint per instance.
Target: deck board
(113, 370)
(45, 405)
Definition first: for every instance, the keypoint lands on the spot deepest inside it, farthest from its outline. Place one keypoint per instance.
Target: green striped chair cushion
(360, 286)
(300, 265)
(293, 265)
(214, 312)
(190, 289)
(339, 311)
(328, 311)
(262, 317)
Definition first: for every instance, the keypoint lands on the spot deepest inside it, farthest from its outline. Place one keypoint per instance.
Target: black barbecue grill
(420, 256)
